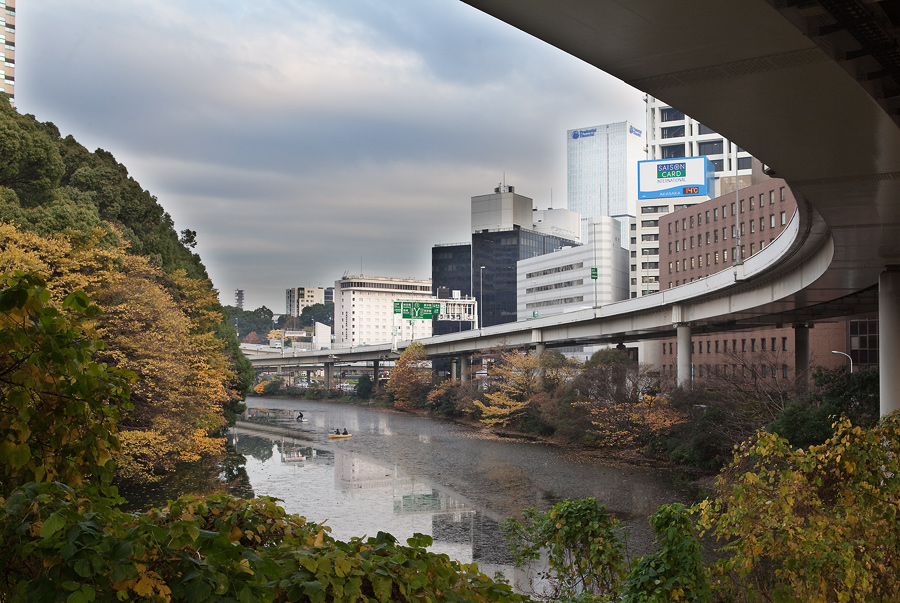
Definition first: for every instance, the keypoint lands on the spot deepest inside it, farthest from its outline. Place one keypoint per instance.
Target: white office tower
(672, 134)
(364, 310)
(563, 281)
(602, 172)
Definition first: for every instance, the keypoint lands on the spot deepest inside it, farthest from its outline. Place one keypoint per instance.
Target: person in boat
(345, 431)
(300, 415)
(337, 432)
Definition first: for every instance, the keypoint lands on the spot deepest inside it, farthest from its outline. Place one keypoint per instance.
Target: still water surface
(404, 474)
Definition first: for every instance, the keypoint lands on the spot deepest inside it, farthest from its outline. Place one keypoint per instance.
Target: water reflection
(358, 495)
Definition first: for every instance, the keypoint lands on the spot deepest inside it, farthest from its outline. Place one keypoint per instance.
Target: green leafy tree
(410, 379)
(815, 524)
(365, 387)
(30, 163)
(809, 420)
(58, 407)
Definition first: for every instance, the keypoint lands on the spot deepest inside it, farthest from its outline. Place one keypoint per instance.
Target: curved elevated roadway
(812, 89)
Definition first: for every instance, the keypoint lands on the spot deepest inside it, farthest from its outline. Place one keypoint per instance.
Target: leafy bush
(818, 524)
(585, 555)
(675, 571)
(60, 545)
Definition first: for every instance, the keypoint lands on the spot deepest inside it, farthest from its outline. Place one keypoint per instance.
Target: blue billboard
(678, 177)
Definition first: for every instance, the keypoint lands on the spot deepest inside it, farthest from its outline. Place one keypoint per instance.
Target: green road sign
(417, 310)
(534, 314)
(593, 273)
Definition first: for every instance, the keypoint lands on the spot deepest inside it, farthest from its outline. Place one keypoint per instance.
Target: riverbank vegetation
(614, 404)
(790, 523)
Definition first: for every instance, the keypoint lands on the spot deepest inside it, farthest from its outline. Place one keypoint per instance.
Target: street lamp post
(481, 298)
(848, 358)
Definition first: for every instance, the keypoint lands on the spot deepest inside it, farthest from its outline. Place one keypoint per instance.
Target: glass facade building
(602, 172)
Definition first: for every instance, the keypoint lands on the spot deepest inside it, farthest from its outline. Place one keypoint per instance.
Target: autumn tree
(620, 396)
(58, 406)
(158, 325)
(515, 377)
(410, 378)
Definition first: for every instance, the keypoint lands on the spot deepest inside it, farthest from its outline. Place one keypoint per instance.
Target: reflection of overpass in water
(810, 88)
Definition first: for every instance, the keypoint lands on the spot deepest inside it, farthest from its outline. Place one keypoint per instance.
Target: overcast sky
(303, 140)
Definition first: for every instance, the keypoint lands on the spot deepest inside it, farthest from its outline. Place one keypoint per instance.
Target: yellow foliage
(157, 325)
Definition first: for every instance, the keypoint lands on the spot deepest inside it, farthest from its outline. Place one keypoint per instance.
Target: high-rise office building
(8, 53)
(602, 172)
(239, 299)
(504, 231)
(672, 134)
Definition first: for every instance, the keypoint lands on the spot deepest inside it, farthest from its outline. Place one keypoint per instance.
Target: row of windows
(392, 286)
(688, 221)
(716, 346)
(553, 286)
(556, 302)
(555, 270)
(721, 370)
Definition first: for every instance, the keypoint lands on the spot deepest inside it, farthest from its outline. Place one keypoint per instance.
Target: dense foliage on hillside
(79, 221)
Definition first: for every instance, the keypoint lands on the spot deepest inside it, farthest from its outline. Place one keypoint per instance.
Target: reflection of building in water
(353, 473)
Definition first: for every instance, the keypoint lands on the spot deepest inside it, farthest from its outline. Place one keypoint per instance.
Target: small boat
(303, 420)
(294, 459)
(335, 436)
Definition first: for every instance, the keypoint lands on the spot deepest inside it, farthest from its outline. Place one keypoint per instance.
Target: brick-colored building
(702, 239)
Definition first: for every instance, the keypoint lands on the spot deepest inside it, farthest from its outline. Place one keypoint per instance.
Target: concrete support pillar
(329, 375)
(375, 372)
(684, 356)
(801, 356)
(539, 349)
(464, 369)
(308, 376)
(454, 370)
(889, 340)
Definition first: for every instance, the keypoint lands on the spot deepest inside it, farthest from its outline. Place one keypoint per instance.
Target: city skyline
(325, 138)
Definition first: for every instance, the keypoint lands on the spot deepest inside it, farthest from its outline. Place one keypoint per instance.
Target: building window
(670, 114)
(762, 224)
(672, 132)
(724, 255)
(670, 267)
(752, 227)
(671, 151)
(710, 147)
(783, 221)
(753, 345)
(784, 344)
(725, 345)
(784, 371)
(771, 197)
(772, 220)
(716, 257)
(743, 345)
(699, 261)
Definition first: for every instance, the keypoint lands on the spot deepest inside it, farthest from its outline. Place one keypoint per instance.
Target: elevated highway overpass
(812, 89)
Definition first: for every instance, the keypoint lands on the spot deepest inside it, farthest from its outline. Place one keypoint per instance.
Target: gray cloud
(297, 137)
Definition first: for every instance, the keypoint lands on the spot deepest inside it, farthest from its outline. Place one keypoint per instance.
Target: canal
(403, 474)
